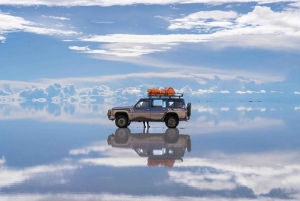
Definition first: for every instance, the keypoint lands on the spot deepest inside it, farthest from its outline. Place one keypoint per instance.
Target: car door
(158, 109)
(141, 111)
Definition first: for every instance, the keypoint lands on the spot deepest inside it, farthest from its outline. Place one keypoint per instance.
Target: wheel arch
(170, 114)
(122, 113)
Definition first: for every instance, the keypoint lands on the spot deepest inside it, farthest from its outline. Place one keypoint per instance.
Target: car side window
(178, 104)
(171, 104)
(175, 104)
(158, 103)
(143, 104)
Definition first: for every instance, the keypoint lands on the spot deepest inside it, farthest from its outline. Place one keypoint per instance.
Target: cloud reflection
(262, 172)
(122, 197)
(13, 176)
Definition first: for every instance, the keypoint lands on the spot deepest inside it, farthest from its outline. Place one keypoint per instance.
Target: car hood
(122, 108)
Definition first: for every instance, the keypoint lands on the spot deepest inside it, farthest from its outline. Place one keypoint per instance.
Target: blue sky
(212, 46)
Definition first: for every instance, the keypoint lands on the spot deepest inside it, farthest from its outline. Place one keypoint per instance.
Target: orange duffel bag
(170, 91)
(153, 92)
(163, 92)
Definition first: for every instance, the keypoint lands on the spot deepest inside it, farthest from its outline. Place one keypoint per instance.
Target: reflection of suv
(160, 148)
(168, 109)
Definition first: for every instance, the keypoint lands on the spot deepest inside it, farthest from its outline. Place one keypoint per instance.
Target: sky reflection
(235, 155)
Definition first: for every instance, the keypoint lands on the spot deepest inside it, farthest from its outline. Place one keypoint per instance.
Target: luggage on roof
(169, 91)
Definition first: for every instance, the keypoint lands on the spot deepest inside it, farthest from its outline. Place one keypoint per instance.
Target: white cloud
(180, 72)
(244, 109)
(10, 23)
(225, 92)
(40, 100)
(132, 90)
(225, 109)
(260, 28)
(128, 2)
(85, 48)
(119, 77)
(295, 4)
(205, 109)
(4, 93)
(262, 20)
(248, 109)
(56, 17)
(172, 39)
(202, 91)
(251, 92)
(296, 92)
(203, 20)
(122, 50)
(103, 22)
(2, 160)
(265, 21)
(121, 197)
(245, 92)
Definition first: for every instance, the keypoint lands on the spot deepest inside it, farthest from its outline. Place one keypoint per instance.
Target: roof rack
(177, 95)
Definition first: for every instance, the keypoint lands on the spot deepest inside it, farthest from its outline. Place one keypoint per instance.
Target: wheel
(171, 121)
(171, 135)
(122, 135)
(121, 121)
(189, 109)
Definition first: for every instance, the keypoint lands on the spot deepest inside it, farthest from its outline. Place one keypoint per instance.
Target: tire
(121, 121)
(122, 135)
(189, 145)
(171, 121)
(189, 109)
(171, 135)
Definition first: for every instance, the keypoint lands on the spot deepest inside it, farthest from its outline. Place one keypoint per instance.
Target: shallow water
(66, 152)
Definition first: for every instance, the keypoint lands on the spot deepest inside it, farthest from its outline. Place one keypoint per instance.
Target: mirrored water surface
(227, 151)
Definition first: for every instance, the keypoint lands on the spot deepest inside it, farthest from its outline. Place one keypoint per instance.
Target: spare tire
(189, 145)
(189, 109)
